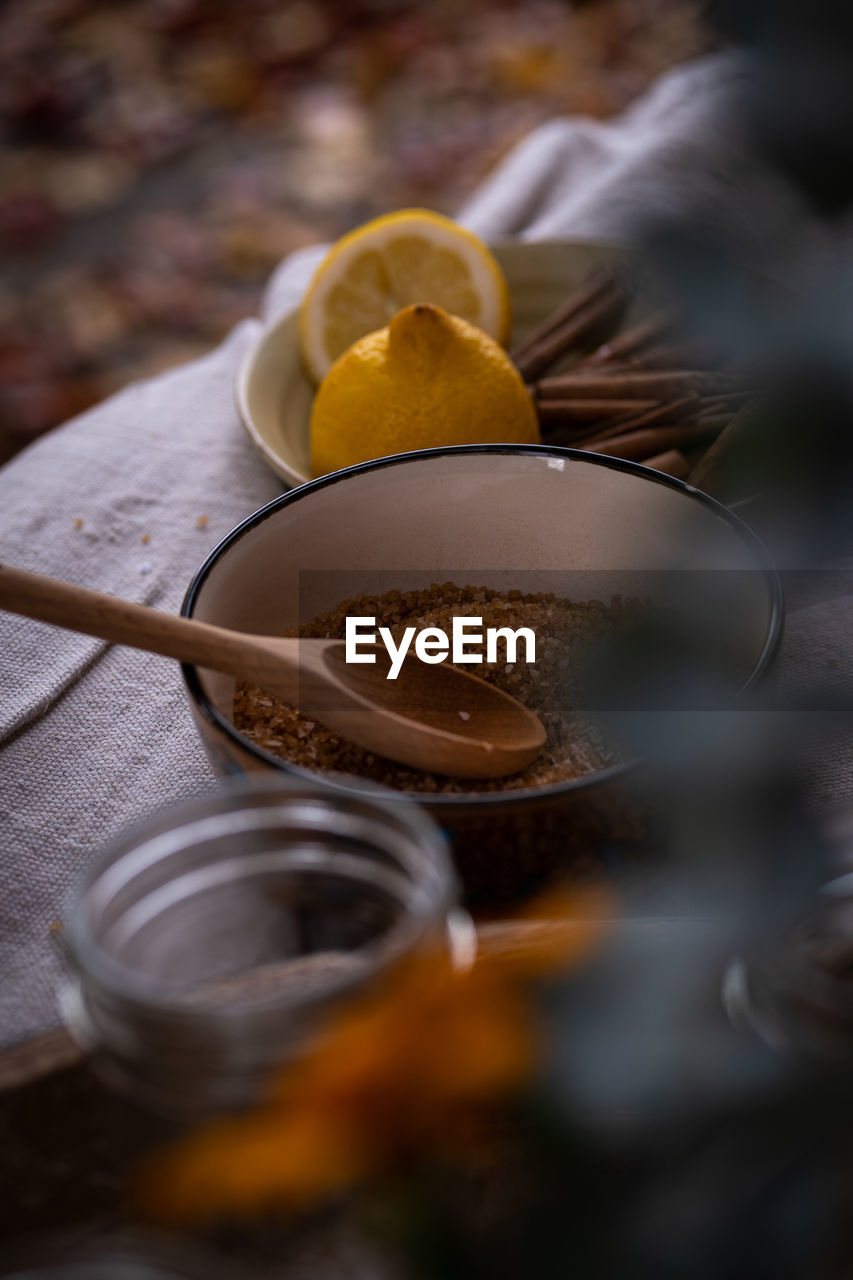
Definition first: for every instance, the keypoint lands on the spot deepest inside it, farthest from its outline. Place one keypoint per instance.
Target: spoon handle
(94, 613)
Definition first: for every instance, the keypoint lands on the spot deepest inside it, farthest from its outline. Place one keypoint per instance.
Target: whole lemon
(428, 379)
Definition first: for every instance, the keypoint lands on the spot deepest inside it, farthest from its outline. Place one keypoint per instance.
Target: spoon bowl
(476, 730)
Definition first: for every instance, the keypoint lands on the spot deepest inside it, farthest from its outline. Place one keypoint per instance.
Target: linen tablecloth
(129, 498)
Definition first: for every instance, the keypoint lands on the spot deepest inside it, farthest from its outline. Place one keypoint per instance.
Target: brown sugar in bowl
(504, 517)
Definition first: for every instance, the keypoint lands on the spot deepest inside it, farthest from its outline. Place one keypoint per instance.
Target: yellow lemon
(428, 379)
(389, 263)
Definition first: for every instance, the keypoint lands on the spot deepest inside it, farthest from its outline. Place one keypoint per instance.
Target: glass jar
(206, 944)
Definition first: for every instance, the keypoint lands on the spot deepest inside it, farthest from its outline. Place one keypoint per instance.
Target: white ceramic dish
(274, 395)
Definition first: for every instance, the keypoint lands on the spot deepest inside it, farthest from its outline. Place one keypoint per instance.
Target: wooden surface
(68, 1147)
(66, 1142)
(30, 1061)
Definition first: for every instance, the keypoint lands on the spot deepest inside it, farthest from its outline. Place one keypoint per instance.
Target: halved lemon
(393, 262)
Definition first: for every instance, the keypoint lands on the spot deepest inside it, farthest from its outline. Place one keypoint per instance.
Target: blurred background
(160, 156)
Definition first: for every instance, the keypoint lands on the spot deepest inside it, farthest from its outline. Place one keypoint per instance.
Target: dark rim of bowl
(477, 798)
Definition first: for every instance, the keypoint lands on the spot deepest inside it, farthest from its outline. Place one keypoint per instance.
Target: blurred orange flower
(414, 1067)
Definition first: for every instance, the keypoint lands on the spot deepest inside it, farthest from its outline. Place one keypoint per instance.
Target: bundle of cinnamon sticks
(644, 394)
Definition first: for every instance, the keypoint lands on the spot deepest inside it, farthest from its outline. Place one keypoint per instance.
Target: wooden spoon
(431, 717)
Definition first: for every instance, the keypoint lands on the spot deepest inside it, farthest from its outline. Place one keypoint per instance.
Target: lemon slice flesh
(390, 263)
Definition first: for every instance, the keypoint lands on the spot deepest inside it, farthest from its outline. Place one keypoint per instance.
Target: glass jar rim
(92, 962)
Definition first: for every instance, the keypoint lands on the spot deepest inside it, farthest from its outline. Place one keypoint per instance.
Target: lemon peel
(427, 379)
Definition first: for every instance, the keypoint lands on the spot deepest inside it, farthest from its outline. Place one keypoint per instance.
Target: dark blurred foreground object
(796, 990)
(802, 102)
(721, 1164)
(791, 119)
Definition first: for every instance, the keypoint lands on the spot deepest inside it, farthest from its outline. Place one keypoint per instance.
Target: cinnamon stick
(586, 411)
(668, 412)
(657, 385)
(671, 463)
(599, 285)
(720, 469)
(715, 421)
(566, 437)
(564, 430)
(653, 441)
(674, 355)
(626, 344)
(603, 313)
(726, 400)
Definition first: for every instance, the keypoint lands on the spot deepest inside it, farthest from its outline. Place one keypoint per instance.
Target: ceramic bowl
(274, 396)
(493, 515)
